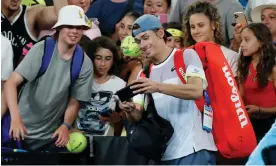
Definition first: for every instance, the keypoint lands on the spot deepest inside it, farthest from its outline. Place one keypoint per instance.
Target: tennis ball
(77, 142)
(32, 2)
(130, 48)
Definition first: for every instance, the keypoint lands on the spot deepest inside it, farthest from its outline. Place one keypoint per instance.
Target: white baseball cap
(72, 15)
(257, 11)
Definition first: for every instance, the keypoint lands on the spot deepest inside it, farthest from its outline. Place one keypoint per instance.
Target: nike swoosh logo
(172, 69)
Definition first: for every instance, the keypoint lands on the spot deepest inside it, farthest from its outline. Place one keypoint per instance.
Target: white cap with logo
(72, 15)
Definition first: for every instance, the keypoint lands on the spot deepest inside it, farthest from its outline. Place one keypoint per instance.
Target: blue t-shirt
(256, 157)
(109, 13)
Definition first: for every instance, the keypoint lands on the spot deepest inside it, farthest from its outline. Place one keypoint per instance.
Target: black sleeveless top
(18, 34)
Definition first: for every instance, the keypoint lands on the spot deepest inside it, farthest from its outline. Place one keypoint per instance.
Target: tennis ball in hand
(130, 48)
(77, 142)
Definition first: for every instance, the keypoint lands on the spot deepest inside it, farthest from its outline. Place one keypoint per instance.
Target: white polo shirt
(186, 119)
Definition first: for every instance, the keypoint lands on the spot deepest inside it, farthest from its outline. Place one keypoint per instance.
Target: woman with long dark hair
(257, 76)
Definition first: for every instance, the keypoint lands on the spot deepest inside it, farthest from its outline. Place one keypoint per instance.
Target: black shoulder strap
(151, 105)
(146, 70)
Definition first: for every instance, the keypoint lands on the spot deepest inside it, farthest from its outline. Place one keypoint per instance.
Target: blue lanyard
(206, 97)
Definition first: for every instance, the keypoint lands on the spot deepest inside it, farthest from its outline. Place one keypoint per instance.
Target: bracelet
(67, 125)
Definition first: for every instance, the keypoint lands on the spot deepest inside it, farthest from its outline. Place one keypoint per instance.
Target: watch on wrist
(67, 125)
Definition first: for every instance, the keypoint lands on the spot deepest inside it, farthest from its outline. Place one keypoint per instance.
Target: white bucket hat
(71, 15)
(256, 12)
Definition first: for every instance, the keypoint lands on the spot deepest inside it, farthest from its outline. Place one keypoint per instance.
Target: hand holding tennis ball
(130, 48)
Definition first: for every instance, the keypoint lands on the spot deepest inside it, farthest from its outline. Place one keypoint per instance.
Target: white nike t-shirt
(186, 119)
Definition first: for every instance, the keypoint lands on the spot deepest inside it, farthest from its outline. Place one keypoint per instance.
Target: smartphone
(269, 155)
(240, 18)
(126, 93)
(163, 18)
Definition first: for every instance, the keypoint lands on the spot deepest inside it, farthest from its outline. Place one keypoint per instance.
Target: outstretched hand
(62, 134)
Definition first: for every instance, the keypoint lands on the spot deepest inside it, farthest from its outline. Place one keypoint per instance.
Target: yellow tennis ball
(32, 2)
(77, 142)
(130, 48)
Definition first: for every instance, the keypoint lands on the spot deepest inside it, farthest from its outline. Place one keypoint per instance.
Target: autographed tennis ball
(32, 2)
(77, 142)
(130, 48)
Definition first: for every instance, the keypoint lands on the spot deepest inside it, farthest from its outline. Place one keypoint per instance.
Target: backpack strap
(179, 65)
(49, 46)
(146, 71)
(76, 64)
